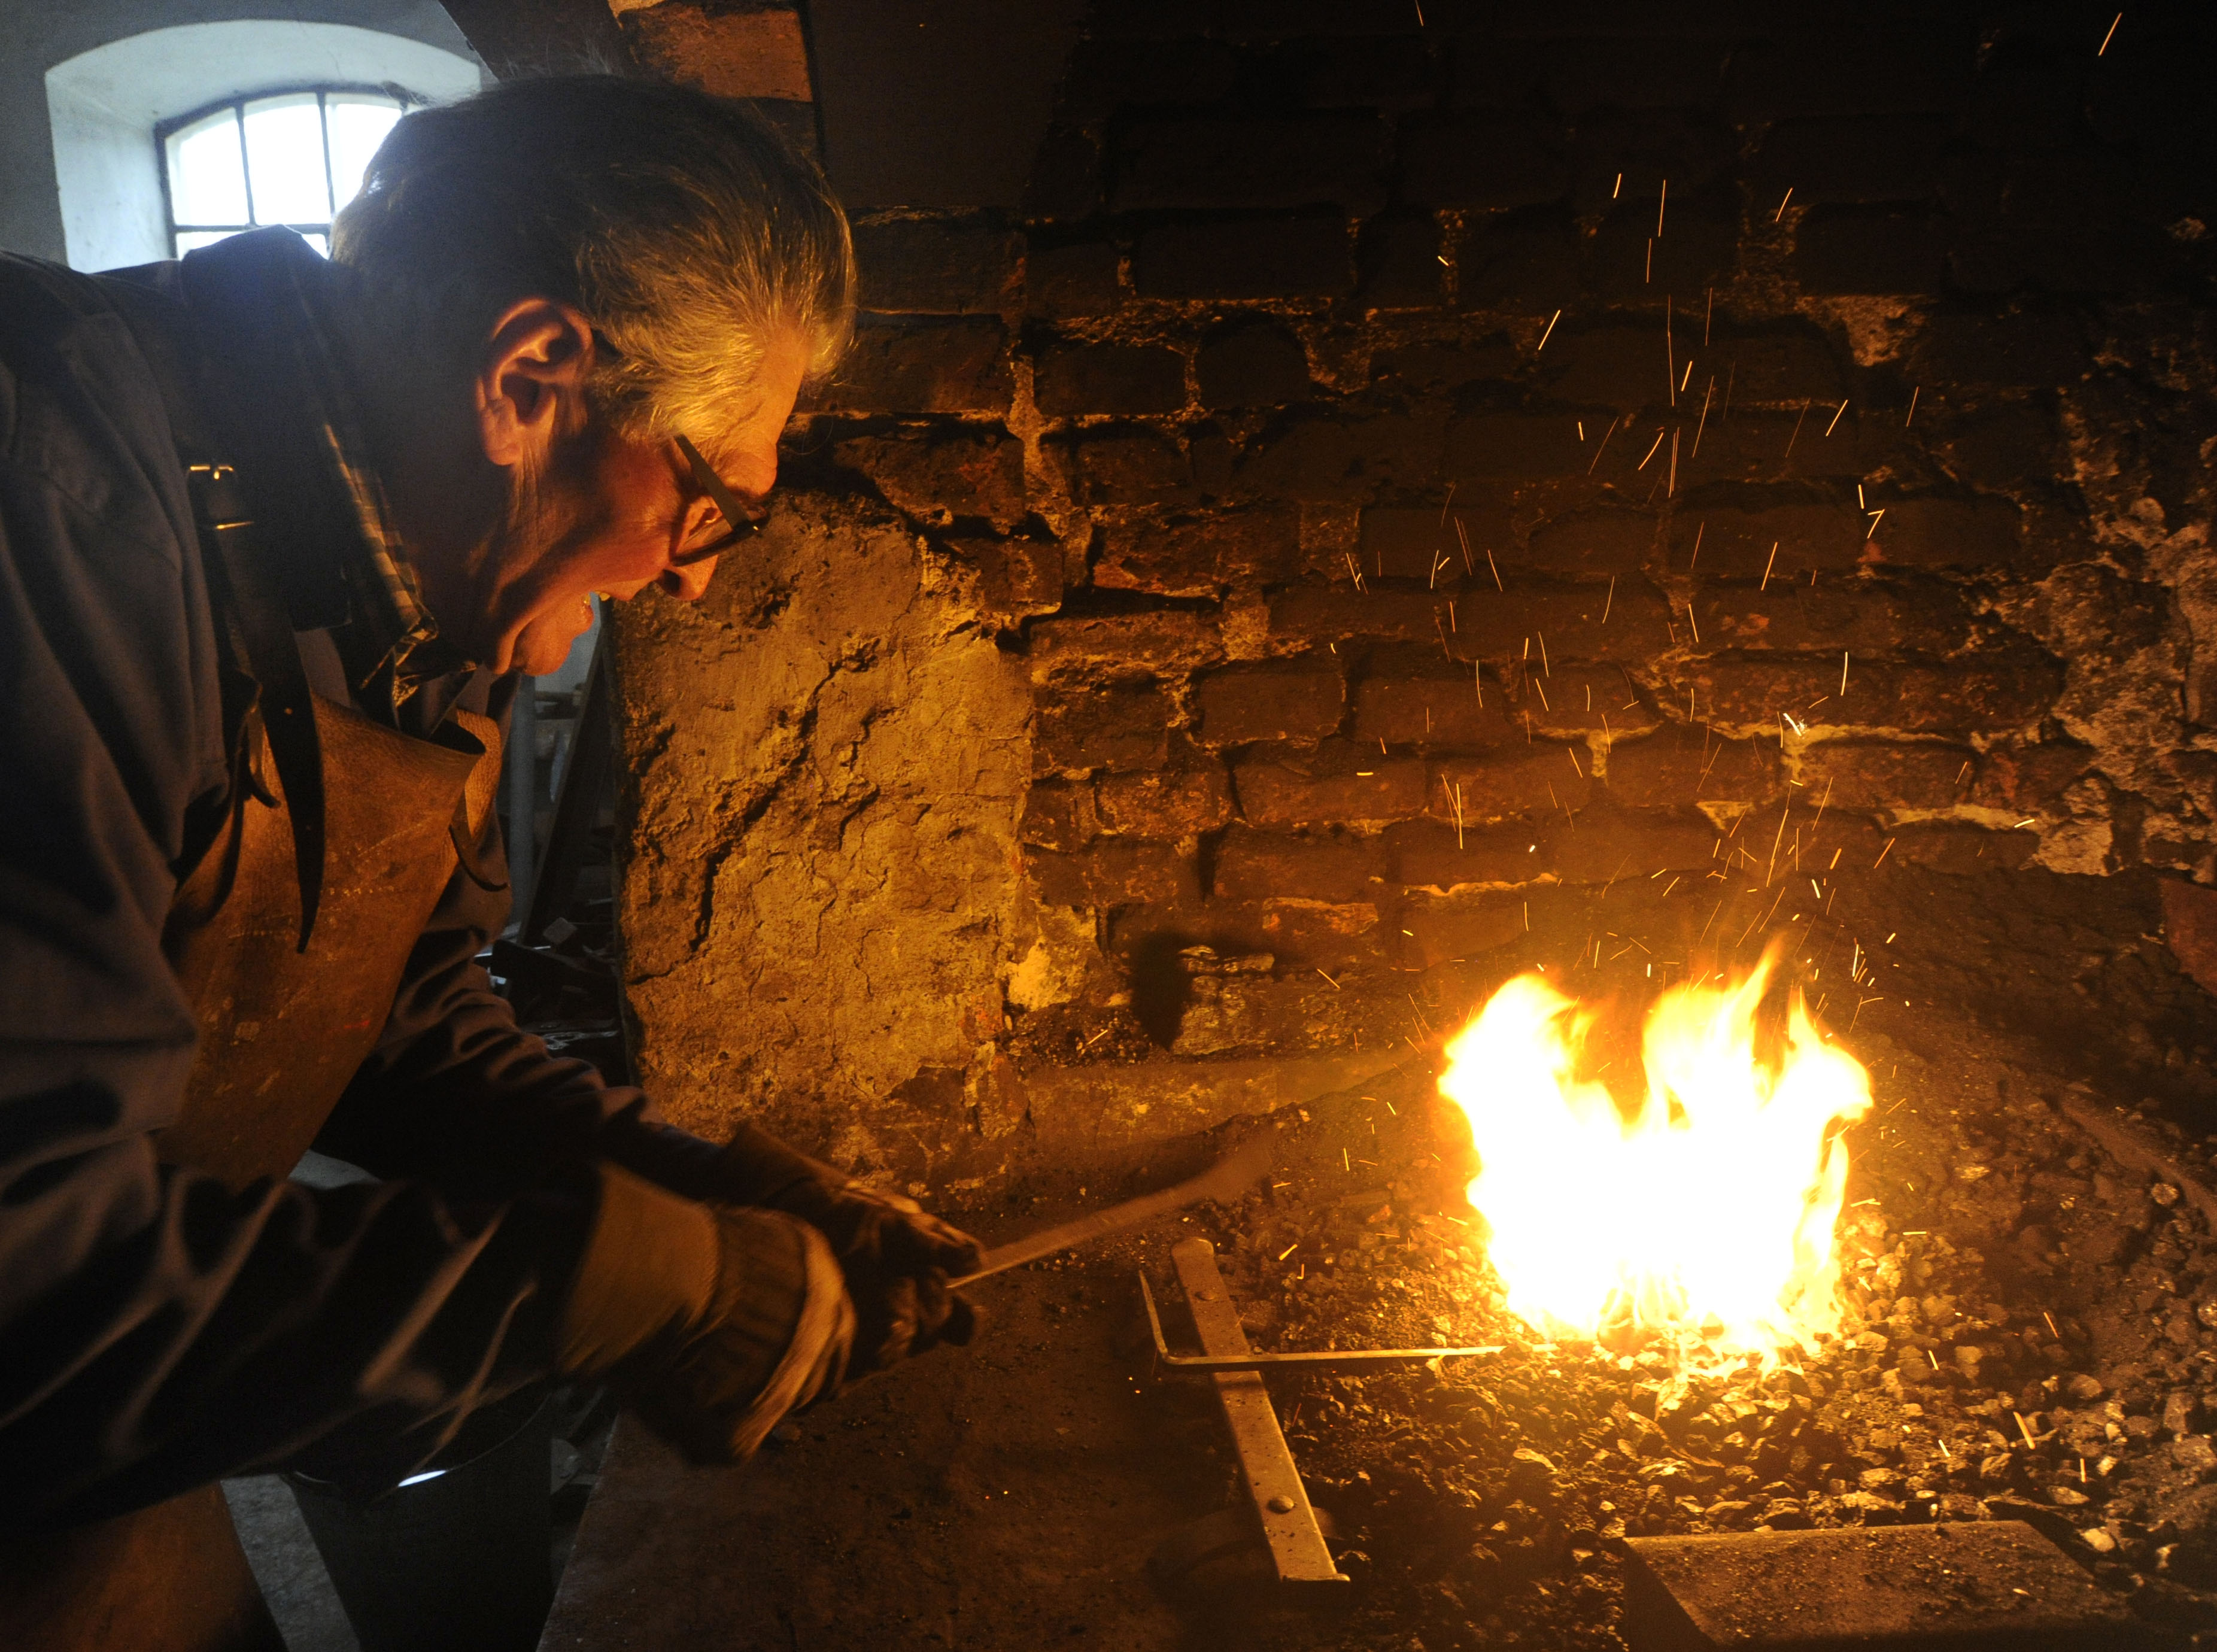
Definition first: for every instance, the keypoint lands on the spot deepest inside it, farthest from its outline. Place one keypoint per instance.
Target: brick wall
(1475, 484)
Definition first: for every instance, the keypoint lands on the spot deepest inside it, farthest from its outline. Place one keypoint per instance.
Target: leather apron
(283, 1029)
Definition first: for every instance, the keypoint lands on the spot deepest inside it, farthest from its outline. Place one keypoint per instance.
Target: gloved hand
(713, 1322)
(896, 1257)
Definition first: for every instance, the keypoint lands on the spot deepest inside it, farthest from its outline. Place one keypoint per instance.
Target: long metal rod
(1227, 1178)
(1329, 1359)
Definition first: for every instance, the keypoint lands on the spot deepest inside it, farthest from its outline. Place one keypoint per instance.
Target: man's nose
(689, 584)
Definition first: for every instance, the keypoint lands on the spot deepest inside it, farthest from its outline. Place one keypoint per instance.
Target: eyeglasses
(707, 540)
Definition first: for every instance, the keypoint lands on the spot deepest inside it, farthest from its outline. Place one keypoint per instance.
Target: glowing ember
(1703, 1218)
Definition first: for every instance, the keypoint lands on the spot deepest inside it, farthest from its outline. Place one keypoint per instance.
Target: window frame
(236, 104)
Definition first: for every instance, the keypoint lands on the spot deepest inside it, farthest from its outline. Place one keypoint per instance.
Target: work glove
(895, 1256)
(713, 1322)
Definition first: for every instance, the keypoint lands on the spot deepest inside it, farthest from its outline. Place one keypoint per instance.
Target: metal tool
(1354, 1359)
(1227, 1178)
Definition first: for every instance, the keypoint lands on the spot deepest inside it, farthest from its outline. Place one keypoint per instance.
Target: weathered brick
(1736, 541)
(1788, 362)
(1963, 850)
(1399, 264)
(1579, 622)
(1079, 279)
(1114, 466)
(1170, 804)
(1430, 854)
(1989, 692)
(1081, 378)
(1854, 159)
(1522, 780)
(1617, 364)
(1482, 161)
(1426, 366)
(1513, 444)
(1584, 621)
(1061, 815)
(1111, 872)
(1379, 72)
(758, 53)
(2023, 347)
(2087, 259)
(1244, 258)
(1335, 785)
(1569, 700)
(945, 476)
(1256, 364)
(1200, 555)
(1982, 532)
(1626, 260)
(1257, 162)
(952, 367)
(1659, 72)
(1697, 153)
(1272, 703)
(1898, 69)
(942, 266)
(1521, 260)
(1676, 766)
(1162, 642)
(1854, 249)
(1591, 541)
(1253, 865)
(1016, 578)
(1331, 456)
(1886, 774)
(2030, 778)
(1431, 710)
(1607, 846)
(1491, 71)
(1466, 926)
(1102, 75)
(1118, 726)
(1311, 934)
(1855, 615)
(1415, 542)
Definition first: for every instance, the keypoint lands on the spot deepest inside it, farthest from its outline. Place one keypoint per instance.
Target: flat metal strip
(1289, 1525)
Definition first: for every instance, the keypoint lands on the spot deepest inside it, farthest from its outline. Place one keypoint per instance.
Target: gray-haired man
(275, 537)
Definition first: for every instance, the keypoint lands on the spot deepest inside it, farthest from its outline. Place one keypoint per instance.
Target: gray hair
(685, 226)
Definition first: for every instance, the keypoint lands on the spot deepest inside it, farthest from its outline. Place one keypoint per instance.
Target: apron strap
(230, 547)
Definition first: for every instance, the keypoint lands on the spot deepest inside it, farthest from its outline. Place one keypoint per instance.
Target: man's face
(608, 514)
(604, 515)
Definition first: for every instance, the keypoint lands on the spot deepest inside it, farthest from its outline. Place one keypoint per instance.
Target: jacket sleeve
(156, 1330)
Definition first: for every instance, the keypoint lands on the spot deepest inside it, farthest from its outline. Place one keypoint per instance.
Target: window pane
(190, 240)
(284, 160)
(321, 242)
(358, 125)
(207, 185)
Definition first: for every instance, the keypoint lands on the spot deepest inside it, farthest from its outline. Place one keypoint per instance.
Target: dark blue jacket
(157, 1330)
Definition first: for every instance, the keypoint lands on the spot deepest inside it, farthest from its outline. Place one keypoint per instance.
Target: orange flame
(1705, 1218)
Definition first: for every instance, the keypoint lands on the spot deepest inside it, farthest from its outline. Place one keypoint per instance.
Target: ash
(2030, 1333)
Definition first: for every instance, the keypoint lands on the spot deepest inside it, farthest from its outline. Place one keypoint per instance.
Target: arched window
(292, 157)
(168, 139)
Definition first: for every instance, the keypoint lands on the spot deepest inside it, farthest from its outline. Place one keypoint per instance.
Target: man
(275, 538)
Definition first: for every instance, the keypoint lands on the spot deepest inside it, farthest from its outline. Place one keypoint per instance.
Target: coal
(2022, 1341)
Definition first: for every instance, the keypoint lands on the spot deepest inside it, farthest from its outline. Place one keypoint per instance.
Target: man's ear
(530, 386)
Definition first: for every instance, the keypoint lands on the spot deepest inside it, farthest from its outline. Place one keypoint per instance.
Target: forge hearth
(2030, 1334)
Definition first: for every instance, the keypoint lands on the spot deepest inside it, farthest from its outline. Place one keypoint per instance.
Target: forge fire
(1693, 1203)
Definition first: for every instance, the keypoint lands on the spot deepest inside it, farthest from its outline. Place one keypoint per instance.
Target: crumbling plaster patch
(817, 866)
